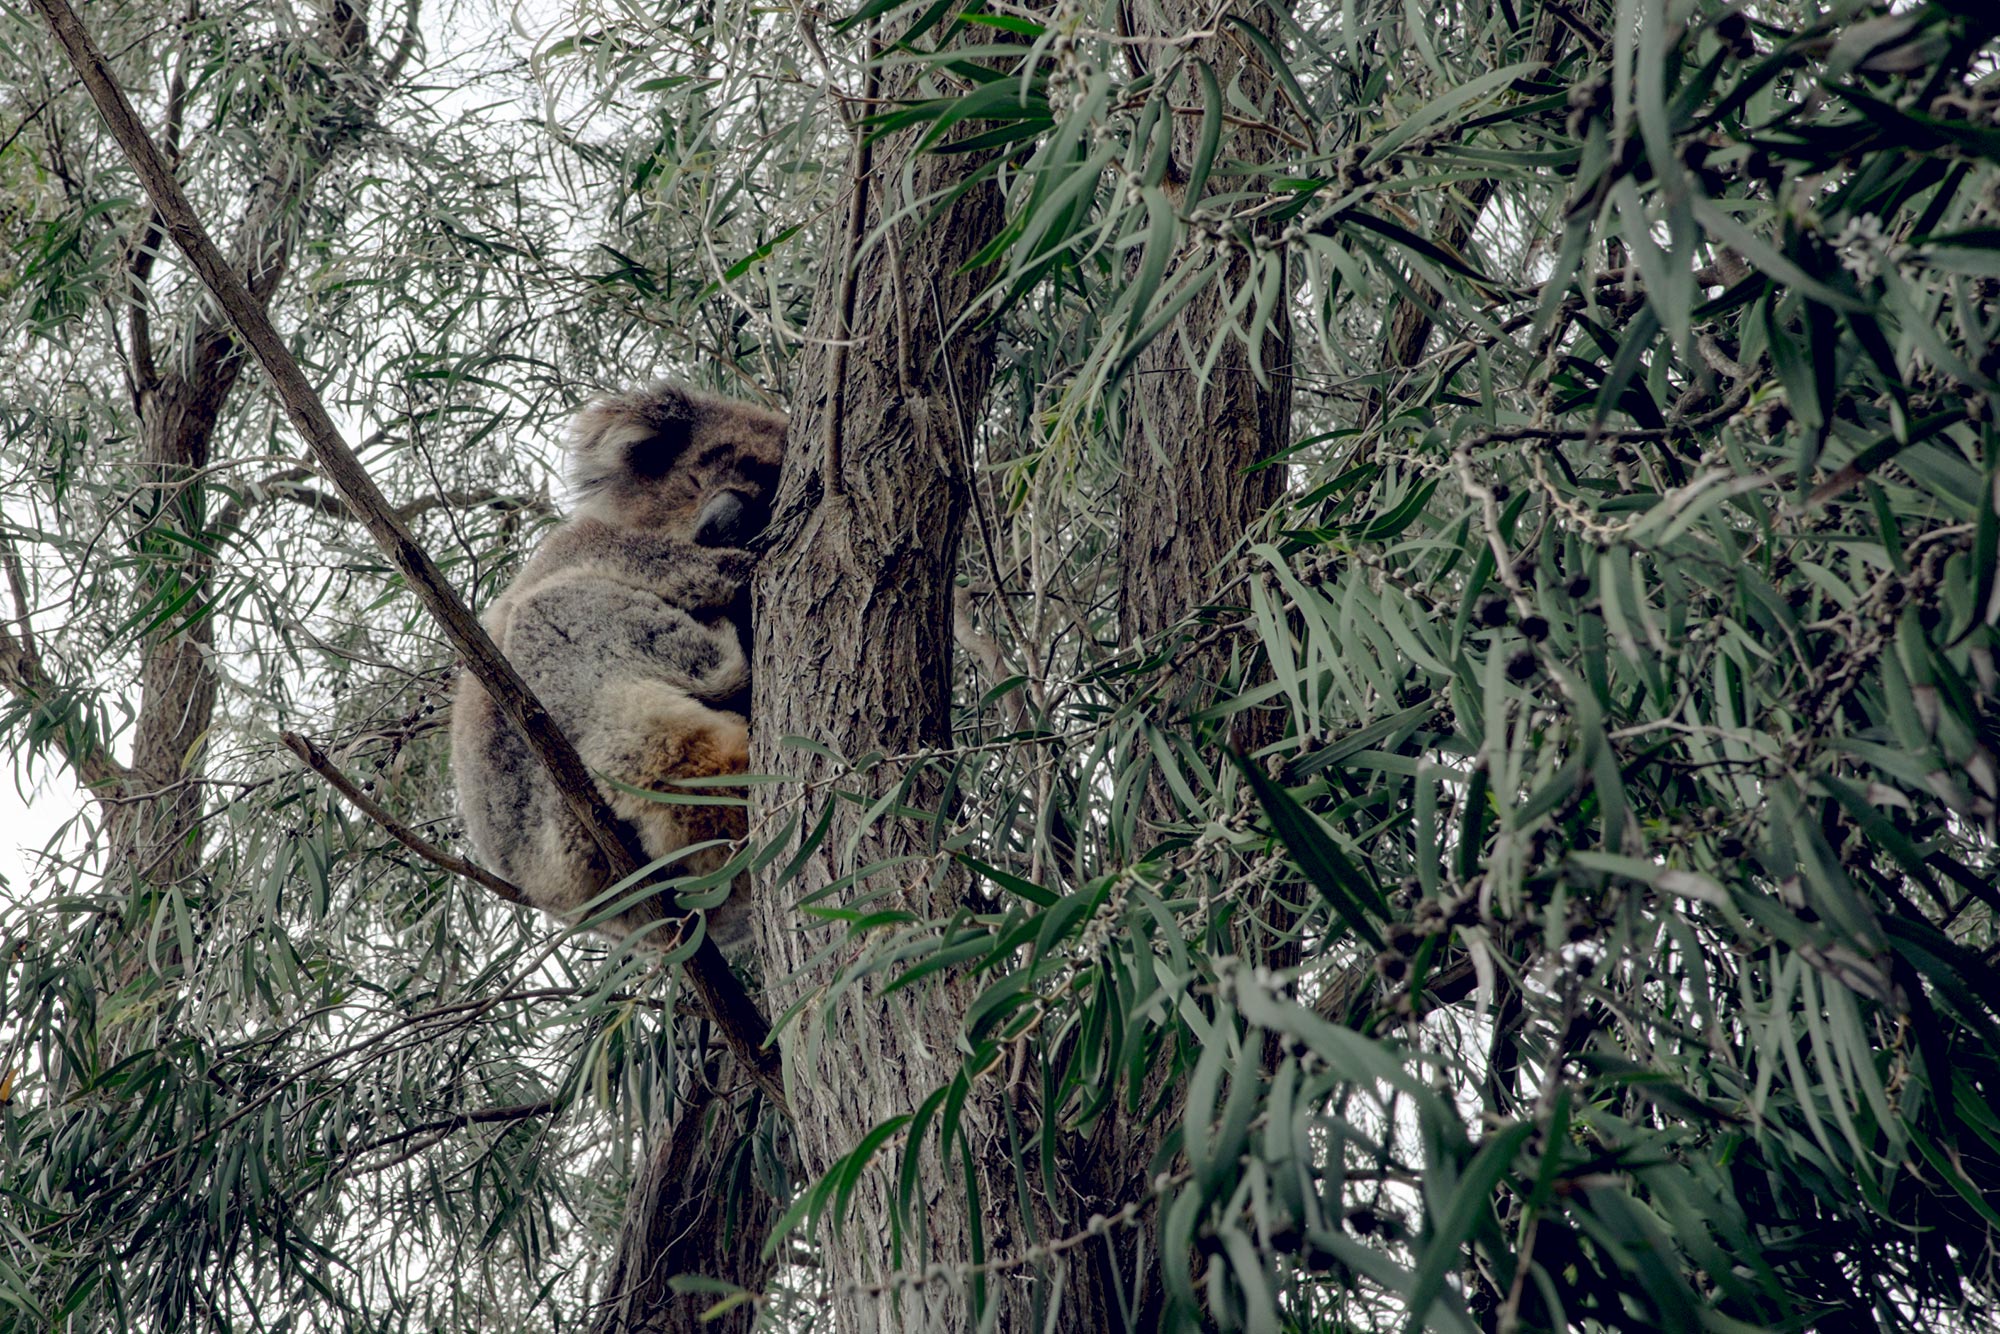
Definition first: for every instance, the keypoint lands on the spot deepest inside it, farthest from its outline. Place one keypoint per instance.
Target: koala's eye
(758, 473)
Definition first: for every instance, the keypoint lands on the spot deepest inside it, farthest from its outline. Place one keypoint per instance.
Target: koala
(631, 624)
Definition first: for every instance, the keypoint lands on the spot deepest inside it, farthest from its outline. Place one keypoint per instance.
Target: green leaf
(1344, 888)
(1436, 110)
(1470, 1201)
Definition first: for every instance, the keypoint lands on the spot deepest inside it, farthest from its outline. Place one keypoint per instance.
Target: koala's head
(674, 461)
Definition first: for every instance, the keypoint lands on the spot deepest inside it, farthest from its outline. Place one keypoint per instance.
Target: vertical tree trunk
(1190, 491)
(159, 839)
(1188, 494)
(180, 389)
(854, 637)
(687, 1216)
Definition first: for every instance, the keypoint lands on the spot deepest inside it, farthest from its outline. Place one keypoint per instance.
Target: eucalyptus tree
(1467, 797)
(1620, 654)
(241, 1070)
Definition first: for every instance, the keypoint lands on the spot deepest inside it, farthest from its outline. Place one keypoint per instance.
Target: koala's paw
(734, 566)
(711, 579)
(720, 747)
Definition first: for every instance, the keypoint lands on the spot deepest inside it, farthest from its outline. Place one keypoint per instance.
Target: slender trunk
(854, 640)
(180, 389)
(692, 1211)
(158, 839)
(1191, 490)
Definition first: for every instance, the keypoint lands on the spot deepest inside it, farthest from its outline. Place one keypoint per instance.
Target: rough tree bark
(854, 622)
(854, 637)
(1190, 491)
(687, 1216)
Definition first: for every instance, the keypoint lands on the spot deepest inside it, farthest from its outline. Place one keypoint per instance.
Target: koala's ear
(661, 435)
(627, 438)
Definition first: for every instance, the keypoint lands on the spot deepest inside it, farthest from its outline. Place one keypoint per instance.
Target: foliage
(1632, 640)
(1600, 929)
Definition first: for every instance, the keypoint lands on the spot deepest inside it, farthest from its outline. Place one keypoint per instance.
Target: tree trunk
(158, 840)
(692, 1212)
(180, 387)
(1190, 492)
(854, 640)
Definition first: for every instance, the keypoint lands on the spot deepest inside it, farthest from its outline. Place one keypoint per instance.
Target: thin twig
(316, 760)
(430, 1132)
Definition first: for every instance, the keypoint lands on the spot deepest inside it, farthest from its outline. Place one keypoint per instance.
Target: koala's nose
(730, 519)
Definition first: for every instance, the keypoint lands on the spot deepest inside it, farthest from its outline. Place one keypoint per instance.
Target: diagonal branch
(406, 45)
(316, 760)
(23, 676)
(430, 1132)
(1410, 321)
(736, 1016)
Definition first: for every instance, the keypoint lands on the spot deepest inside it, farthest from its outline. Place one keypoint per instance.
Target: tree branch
(1409, 322)
(736, 1016)
(286, 485)
(23, 677)
(316, 760)
(445, 1125)
(406, 45)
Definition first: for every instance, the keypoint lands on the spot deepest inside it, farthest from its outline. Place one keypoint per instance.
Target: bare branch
(430, 1132)
(406, 45)
(289, 485)
(316, 760)
(985, 650)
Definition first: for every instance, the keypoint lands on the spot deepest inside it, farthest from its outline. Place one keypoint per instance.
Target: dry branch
(737, 1017)
(316, 760)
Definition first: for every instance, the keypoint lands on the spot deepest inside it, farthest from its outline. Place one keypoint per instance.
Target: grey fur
(633, 636)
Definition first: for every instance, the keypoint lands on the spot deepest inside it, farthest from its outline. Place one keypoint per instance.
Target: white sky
(29, 819)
